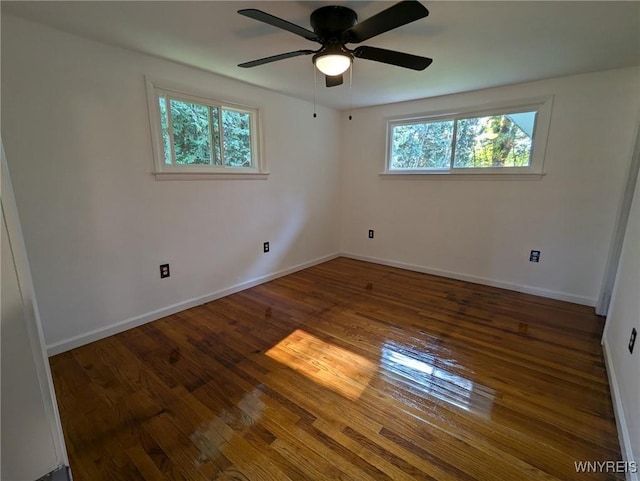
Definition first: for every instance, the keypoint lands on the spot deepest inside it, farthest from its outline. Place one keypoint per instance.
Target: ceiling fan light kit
(335, 26)
(332, 63)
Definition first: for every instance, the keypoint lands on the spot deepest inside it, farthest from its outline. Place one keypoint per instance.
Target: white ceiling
(474, 44)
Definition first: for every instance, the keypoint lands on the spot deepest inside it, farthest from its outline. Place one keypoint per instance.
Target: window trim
(541, 105)
(163, 171)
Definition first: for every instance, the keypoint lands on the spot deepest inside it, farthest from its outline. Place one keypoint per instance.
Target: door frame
(31, 313)
(615, 249)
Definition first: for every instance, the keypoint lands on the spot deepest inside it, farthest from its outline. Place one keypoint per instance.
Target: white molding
(536, 291)
(618, 410)
(121, 326)
(615, 248)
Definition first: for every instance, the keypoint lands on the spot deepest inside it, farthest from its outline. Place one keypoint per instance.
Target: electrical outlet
(370, 233)
(164, 271)
(534, 256)
(632, 340)
(265, 247)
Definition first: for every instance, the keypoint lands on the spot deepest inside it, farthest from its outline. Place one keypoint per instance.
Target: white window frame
(163, 171)
(535, 170)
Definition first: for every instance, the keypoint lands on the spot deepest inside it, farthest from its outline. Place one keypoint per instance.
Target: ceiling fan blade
(274, 58)
(392, 57)
(334, 80)
(393, 17)
(278, 22)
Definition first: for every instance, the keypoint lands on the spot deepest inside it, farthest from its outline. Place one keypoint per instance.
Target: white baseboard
(562, 296)
(101, 333)
(618, 410)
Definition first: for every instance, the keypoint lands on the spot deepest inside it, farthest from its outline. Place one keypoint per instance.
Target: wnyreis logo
(606, 466)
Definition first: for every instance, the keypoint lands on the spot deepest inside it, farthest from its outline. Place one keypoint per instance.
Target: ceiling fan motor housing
(330, 22)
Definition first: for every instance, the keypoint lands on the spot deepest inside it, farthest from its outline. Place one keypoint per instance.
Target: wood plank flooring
(345, 371)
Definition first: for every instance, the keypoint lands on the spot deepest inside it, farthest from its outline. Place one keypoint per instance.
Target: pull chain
(315, 86)
(350, 85)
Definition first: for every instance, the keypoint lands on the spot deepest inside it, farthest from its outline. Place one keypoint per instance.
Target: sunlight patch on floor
(326, 364)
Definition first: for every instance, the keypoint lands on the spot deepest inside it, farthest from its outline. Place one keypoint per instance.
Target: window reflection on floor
(420, 373)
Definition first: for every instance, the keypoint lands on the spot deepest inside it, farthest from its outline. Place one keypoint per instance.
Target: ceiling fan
(335, 26)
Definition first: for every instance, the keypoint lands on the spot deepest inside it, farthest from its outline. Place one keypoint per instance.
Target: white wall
(624, 314)
(97, 225)
(483, 230)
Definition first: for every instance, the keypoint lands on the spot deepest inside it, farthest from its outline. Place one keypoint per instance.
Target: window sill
(449, 176)
(211, 175)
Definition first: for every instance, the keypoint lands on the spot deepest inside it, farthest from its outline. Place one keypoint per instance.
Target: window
(199, 137)
(504, 140)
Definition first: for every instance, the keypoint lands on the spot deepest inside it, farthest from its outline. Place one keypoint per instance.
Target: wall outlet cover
(164, 271)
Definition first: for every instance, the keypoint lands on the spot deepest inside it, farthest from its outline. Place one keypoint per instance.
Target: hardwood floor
(345, 371)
